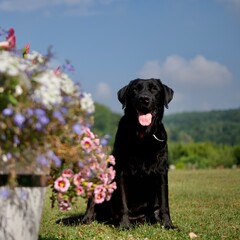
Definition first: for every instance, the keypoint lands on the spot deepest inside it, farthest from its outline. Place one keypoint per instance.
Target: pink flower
(77, 179)
(61, 184)
(111, 173)
(87, 144)
(10, 40)
(104, 178)
(88, 133)
(97, 141)
(64, 204)
(112, 187)
(67, 173)
(79, 190)
(110, 190)
(111, 160)
(99, 194)
(89, 185)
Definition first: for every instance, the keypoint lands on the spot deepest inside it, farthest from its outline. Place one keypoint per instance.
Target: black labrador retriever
(141, 154)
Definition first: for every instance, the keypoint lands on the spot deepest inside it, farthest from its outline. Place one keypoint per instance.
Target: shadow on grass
(71, 221)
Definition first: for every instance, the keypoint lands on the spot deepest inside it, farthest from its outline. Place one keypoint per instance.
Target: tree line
(196, 139)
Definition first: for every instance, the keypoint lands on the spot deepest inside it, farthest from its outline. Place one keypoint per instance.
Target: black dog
(141, 154)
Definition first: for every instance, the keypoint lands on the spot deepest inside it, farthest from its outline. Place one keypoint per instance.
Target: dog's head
(145, 98)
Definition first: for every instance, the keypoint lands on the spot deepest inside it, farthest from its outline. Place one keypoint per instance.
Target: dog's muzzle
(144, 110)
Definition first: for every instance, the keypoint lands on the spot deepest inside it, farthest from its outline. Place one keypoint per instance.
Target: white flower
(34, 55)
(87, 103)
(67, 84)
(8, 64)
(18, 90)
(49, 91)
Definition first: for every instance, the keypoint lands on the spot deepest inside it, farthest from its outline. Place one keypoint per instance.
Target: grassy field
(205, 202)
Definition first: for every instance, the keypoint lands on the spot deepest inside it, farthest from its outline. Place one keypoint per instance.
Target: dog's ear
(122, 96)
(168, 92)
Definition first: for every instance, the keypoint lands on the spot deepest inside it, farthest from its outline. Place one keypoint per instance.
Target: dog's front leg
(90, 212)
(124, 217)
(164, 213)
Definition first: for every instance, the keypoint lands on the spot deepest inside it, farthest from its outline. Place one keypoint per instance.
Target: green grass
(206, 202)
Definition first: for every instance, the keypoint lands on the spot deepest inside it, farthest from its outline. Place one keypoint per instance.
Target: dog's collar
(141, 135)
(158, 139)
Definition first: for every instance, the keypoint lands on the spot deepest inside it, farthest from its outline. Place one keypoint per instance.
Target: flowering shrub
(45, 119)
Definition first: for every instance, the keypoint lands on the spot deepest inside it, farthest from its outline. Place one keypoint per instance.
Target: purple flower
(29, 112)
(59, 116)
(38, 126)
(9, 156)
(43, 120)
(57, 161)
(76, 128)
(105, 140)
(41, 159)
(7, 111)
(40, 112)
(80, 164)
(67, 99)
(19, 119)
(64, 110)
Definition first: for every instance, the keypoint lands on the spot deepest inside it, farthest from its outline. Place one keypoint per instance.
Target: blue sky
(193, 46)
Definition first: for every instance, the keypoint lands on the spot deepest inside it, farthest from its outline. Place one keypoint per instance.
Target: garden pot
(21, 207)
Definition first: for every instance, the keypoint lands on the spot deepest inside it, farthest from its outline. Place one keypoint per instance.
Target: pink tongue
(145, 119)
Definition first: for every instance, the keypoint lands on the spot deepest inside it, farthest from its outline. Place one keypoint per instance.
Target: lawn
(205, 202)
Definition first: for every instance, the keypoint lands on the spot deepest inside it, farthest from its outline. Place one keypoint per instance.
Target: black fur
(141, 154)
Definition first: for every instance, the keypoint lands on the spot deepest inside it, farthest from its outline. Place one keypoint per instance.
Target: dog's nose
(144, 99)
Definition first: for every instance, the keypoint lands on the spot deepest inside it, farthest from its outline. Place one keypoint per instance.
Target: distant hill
(222, 127)
(105, 121)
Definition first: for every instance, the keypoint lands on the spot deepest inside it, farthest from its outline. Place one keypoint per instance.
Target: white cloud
(198, 83)
(103, 91)
(196, 72)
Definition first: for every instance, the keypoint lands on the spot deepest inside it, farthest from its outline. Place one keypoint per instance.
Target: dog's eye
(153, 88)
(137, 88)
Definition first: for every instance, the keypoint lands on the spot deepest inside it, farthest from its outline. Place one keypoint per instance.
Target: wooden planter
(21, 208)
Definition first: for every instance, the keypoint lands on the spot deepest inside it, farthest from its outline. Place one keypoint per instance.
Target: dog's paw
(166, 222)
(87, 219)
(124, 223)
(168, 225)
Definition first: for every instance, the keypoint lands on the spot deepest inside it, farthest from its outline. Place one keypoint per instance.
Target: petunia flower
(79, 190)
(62, 184)
(67, 173)
(64, 205)
(77, 179)
(99, 194)
(111, 160)
(87, 144)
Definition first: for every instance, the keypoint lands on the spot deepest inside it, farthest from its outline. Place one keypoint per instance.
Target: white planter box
(20, 214)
